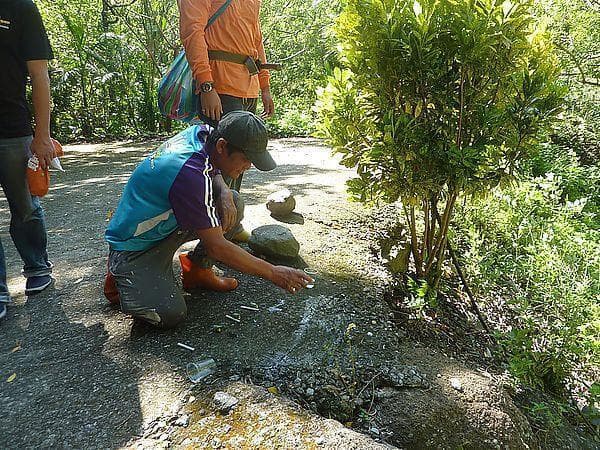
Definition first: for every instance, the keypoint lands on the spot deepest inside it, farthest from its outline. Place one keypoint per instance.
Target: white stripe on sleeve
(208, 196)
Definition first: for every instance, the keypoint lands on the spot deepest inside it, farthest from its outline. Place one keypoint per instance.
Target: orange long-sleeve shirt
(237, 30)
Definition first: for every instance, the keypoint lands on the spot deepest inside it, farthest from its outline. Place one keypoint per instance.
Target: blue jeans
(27, 224)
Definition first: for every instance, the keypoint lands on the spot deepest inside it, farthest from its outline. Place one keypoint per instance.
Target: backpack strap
(217, 13)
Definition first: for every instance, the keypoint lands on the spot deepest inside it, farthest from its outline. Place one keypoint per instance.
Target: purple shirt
(170, 189)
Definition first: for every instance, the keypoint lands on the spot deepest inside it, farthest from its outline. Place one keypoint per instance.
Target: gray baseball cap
(247, 131)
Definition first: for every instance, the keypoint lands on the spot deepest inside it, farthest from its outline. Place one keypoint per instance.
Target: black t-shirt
(22, 38)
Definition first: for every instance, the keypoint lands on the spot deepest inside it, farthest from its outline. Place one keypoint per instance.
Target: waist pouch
(253, 65)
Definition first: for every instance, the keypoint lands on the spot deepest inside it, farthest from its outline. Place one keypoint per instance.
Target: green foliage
(578, 183)
(575, 29)
(437, 99)
(536, 245)
(108, 61)
(547, 415)
(291, 122)
(110, 57)
(443, 93)
(592, 410)
(575, 25)
(296, 33)
(421, 295)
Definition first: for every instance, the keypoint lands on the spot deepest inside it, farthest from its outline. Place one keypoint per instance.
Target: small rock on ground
(224, 402)
(274, 241)
(281, 203)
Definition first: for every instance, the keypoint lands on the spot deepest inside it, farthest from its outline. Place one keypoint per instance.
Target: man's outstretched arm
(219, 248)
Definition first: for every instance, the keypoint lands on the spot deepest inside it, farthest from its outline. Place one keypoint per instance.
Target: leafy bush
(291, 122)
(575, 25)
(297, 33)
(436, 99)
(577, 182)
(528, 244)
(575, 29)
(581, 135)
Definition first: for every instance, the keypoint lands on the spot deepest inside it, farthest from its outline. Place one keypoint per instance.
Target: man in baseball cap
(176, 195)
(247, 132)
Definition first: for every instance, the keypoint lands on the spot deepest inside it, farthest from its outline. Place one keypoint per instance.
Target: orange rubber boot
(193, 277)
(110, 289)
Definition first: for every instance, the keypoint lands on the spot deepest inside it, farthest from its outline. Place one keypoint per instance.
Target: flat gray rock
(274, 241)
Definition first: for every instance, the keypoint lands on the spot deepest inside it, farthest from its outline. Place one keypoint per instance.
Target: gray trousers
(145, 280)
(230, 103)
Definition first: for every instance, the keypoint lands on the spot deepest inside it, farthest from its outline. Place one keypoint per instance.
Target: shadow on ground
(66, 392)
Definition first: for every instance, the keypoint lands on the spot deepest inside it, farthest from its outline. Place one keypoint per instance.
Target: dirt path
(87, 378)
(83, 375)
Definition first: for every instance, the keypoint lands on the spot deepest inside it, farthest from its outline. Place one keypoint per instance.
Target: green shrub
(577, 182)
(292, 122)
(297, 34)
(547, 415)
(436, 99)
(528, 246)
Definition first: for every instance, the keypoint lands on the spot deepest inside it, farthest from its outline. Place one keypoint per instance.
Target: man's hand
(226, 209)
(267, 101)
(211, 105)
(43, 148)
(292, 280)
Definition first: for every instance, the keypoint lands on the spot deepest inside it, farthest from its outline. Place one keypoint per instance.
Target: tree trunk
(428, 247)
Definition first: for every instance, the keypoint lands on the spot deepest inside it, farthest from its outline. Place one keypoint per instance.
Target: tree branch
(587, 81)
(573, 59)
(443, 230)
(465, 284)
(413, 239)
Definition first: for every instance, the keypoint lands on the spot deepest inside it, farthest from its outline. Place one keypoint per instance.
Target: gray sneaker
(2, 309)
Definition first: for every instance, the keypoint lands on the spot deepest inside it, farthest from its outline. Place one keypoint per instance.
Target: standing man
(173, 197)
(24, 51)
(223, 58)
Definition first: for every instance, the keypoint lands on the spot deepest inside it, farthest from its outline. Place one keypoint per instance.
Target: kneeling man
(176, 195)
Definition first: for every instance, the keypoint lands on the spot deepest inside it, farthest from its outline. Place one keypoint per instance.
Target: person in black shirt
(24, 52)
